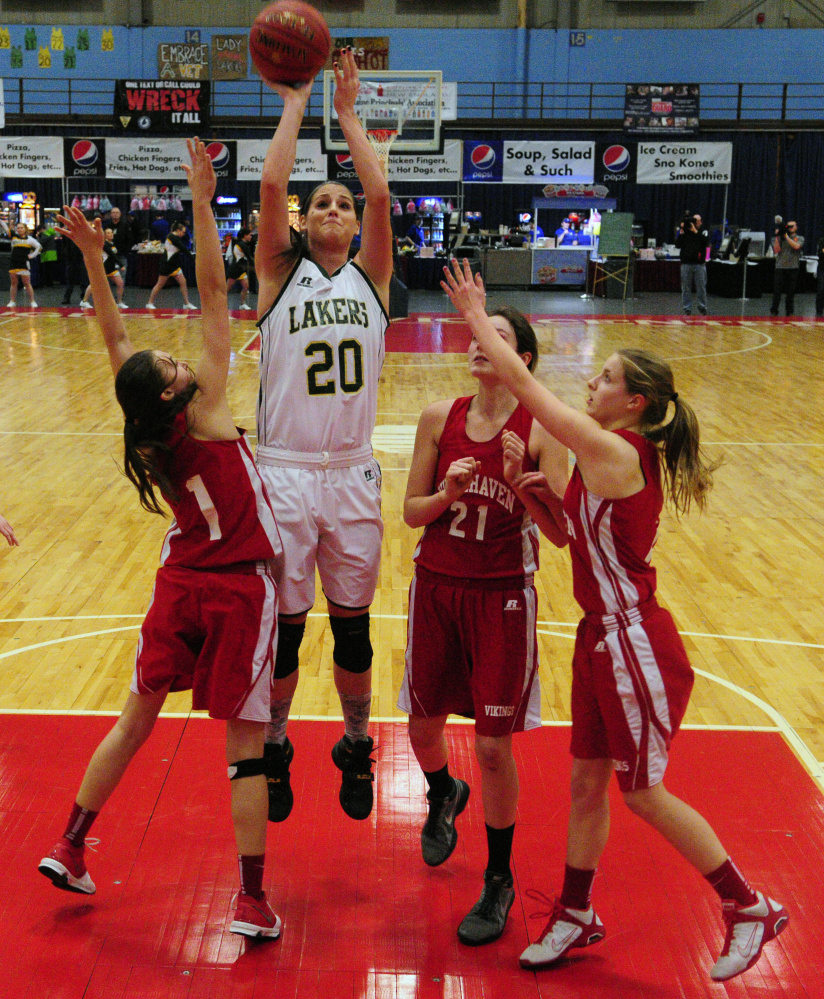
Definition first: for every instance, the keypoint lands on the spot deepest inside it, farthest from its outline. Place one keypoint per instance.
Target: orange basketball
(289, 42)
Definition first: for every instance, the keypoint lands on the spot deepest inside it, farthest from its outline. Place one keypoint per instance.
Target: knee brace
(352, 650)
(289, 638)
(247, 768)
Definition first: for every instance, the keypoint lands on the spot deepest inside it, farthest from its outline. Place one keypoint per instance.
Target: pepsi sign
(224, 158)
(340, 167)
(84, 157)
(614, 162)
(483, 160)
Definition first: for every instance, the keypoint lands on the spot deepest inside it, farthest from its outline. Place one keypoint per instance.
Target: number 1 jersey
(321, 354)
(487, 532)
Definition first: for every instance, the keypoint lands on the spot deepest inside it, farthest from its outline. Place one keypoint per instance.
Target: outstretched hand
(87, 236)
(201, 173)
(465, 291)
(347, 81)
(7, 531)
(289, 93)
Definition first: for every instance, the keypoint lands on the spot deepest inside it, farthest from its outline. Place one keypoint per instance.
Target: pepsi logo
(219, 154)
(483, 157)
(85, 153)
(616, 159)
(344, 161)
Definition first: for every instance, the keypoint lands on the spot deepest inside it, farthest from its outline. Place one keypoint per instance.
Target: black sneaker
(277, 759)
(439, 835)
(487, 918)
(355, 761)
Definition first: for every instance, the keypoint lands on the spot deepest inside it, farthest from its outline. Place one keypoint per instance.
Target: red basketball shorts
(630, 689)
(214, 633)
(472, 650)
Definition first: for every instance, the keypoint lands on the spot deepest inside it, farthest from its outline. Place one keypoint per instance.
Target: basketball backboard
(404, 101)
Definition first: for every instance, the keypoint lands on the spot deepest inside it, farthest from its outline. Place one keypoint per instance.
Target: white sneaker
(122, 305)
(566, 929)
(245, 307)
(12, 305)
(748, 929)
(189, 305)
(150, 305)
(33, 305)
(85, 305)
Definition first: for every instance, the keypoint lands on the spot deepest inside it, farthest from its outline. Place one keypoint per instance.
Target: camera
(687, 220)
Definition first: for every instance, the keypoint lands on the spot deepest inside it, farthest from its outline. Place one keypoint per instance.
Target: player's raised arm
(89, 239)
(272, 260)
(375, 254)
(213, 366)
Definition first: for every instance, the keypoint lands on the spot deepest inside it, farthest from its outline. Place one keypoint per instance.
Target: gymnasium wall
(94, 51)
(426, 14)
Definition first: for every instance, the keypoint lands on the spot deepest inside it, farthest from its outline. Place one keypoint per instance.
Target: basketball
(289, 42)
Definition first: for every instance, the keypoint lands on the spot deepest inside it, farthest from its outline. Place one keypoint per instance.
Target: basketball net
(381, 140)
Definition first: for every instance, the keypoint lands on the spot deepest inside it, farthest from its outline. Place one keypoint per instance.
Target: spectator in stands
(159, 229)
(787, 249)
(415, 235)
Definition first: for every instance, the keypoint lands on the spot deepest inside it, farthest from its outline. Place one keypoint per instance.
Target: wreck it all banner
(161, 105)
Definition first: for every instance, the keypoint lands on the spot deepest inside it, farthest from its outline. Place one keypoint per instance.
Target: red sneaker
(66, 868)
(748, 929)
(563, 932)
(255, 918)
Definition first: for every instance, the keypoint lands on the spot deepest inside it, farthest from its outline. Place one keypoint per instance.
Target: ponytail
(688, 474)
(149, 420)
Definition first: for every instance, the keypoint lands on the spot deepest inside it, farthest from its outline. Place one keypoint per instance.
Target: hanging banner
(684, 163)
(161, 105)
(310, 163)
(230, 57)
(28, 157)
(84, 157)
(661, 108)
(483, 161)
(425, 167)
(615, 163)
(161, 159)
(557, 162)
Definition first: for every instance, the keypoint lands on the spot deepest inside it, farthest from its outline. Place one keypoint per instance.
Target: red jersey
(486, 533)
(222, 515)
(612, 540)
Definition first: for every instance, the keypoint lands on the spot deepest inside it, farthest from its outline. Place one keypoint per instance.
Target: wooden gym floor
(742, 581)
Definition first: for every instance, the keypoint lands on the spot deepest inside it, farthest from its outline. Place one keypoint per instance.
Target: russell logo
(344, 161)
(219, 154)
(616, 159)
(483, 157)
(84, 153)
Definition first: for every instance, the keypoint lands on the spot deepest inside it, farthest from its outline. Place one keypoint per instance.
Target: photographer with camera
(786, 246)
(693, 240)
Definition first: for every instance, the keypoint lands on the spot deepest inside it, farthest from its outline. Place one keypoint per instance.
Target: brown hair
(525, 339)
(687, 472)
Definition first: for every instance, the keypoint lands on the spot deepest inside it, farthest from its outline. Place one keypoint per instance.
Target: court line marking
(794, 740)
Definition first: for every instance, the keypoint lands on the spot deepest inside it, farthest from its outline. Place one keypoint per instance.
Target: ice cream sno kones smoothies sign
(553, 162)
(684, 162)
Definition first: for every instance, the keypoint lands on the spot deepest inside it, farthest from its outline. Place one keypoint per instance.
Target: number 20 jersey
(487, 533)
(322, 349)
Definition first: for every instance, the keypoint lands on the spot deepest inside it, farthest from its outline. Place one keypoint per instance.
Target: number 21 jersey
(487, 532)
(321, 354)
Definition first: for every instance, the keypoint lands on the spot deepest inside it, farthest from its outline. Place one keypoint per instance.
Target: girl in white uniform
(322, 328)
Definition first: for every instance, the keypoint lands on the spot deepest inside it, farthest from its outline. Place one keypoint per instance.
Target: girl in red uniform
(481, 479)
(631, 679)
(212, 622)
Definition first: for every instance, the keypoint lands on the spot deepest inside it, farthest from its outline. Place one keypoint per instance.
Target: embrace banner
(162, 105)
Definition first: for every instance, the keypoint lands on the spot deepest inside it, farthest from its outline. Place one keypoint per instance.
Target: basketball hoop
(381, 140)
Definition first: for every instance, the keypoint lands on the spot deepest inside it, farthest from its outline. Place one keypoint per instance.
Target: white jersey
(322, 349)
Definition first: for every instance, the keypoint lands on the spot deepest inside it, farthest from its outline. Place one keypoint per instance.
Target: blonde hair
(688, 474)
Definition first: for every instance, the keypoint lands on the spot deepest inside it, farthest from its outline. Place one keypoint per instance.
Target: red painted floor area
(363, 917)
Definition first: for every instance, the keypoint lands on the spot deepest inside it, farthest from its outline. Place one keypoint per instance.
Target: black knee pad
(353, 649)
(247, 768)
(289, 638)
